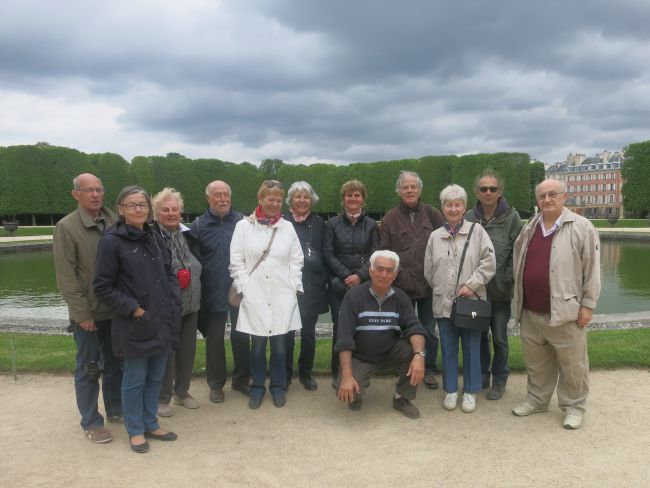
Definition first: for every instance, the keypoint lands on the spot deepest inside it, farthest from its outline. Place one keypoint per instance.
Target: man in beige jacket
(557, 284)
(75, 247)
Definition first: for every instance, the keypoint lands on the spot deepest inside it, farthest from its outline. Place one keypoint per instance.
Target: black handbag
(468, 313)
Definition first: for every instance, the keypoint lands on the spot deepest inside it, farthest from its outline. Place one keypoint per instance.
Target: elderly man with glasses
(75, 247)
(502, 223)
(557, 284)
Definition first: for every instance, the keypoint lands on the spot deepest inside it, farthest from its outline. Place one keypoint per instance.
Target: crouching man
(378, 329)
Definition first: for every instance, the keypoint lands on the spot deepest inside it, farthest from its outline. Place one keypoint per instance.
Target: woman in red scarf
(266, 260)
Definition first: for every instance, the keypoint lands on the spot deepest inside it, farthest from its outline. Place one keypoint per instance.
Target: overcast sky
(325, 81)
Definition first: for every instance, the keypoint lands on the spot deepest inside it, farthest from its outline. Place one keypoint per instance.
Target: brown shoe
(401, 404)
(430, 381)
(217, 395)
(98, 435)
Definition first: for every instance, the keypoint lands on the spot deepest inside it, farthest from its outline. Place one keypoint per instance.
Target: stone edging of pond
(633, 320)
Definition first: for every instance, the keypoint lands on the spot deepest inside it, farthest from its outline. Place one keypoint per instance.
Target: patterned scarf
(299, 218)
(263, 219)
(453, 231)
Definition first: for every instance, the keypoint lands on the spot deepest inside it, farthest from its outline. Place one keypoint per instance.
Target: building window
(611, 199)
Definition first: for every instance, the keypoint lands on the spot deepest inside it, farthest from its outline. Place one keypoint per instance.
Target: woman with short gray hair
(310, 228)
(183, 249)
(441, 264)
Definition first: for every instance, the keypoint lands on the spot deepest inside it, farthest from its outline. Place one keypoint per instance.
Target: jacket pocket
(144, 328)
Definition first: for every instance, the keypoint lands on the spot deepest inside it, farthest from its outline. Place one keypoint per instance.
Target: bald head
(219, 196)
(89, 193)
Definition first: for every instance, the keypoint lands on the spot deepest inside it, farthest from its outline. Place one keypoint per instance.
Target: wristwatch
(420, 353)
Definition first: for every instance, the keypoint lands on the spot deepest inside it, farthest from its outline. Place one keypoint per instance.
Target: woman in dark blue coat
(310, 229)
(133, 276)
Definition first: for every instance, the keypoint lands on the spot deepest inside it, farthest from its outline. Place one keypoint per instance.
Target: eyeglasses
(491, 189)
(132, 206)
(551, 194)
(89, 190)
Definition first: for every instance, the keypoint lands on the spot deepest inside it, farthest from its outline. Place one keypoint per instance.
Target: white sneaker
(450, 401)
(573, 420)
(469, 402)
(165, 410)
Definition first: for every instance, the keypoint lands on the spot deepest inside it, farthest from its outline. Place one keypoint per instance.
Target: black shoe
(140, 448)
(308, 382)
(355, 405)
(217, 395)
(496, 392)
(279, 401)
(430, 381)
(168, 436)
(254, 402)
(244, 389)
(401, 404)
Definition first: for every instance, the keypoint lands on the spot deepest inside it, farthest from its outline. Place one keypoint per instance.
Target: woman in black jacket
(350, 239)
(133, 276)
(310, 229)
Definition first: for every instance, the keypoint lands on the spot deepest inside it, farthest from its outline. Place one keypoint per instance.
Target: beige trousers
(555, 356)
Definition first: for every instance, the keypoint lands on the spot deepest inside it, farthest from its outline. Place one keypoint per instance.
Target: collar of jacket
(122, 229)
(347, 220)
(567, 216)
(230, 215)
(503, 207)
(406, 209)
(88, 221)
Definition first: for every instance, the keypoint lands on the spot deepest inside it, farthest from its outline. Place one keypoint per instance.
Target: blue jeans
(96, 347)
(278, 369)
(425, 314)
(471, 343)
(140, 392)
(307, 345)
(499, 328)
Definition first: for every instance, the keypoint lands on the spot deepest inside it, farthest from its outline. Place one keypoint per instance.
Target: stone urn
(612, 219)
(10, 226)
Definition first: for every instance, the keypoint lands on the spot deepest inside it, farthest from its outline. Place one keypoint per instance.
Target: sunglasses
(491, 189)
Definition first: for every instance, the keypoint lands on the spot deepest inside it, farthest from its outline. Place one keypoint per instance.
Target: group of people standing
(139, 284)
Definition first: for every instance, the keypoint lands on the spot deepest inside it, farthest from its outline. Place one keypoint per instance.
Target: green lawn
(608, 349)
(29, 231)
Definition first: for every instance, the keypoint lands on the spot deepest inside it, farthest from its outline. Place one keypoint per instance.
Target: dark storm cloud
(346, 80)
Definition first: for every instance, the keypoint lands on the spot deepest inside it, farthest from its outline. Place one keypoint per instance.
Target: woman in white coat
(269, 308)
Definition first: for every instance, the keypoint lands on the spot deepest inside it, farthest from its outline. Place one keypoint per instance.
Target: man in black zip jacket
(378, 328)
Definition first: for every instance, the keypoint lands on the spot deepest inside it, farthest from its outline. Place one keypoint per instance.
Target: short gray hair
(451, 193)
(405, 174)
(301, 187)
(384, 253)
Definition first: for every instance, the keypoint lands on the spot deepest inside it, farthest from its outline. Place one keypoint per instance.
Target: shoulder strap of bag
(265, 252)
(462, 257)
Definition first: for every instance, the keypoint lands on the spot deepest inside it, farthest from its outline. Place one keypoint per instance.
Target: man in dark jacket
(405, 230)
(75, 248)
(378, 328)
(214, 231)
(502, 223)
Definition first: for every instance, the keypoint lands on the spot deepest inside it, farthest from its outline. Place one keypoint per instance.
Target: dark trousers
(96, 347)
(215, 351)
(307, 346)
(400, 356)
(180, 363)
(335, 306)
(424, 307)
(497, 365)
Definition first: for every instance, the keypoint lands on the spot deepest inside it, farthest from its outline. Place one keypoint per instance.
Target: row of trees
(636, 177)
(36, 180)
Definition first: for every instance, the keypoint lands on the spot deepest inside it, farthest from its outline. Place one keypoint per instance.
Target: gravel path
(315, 441)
